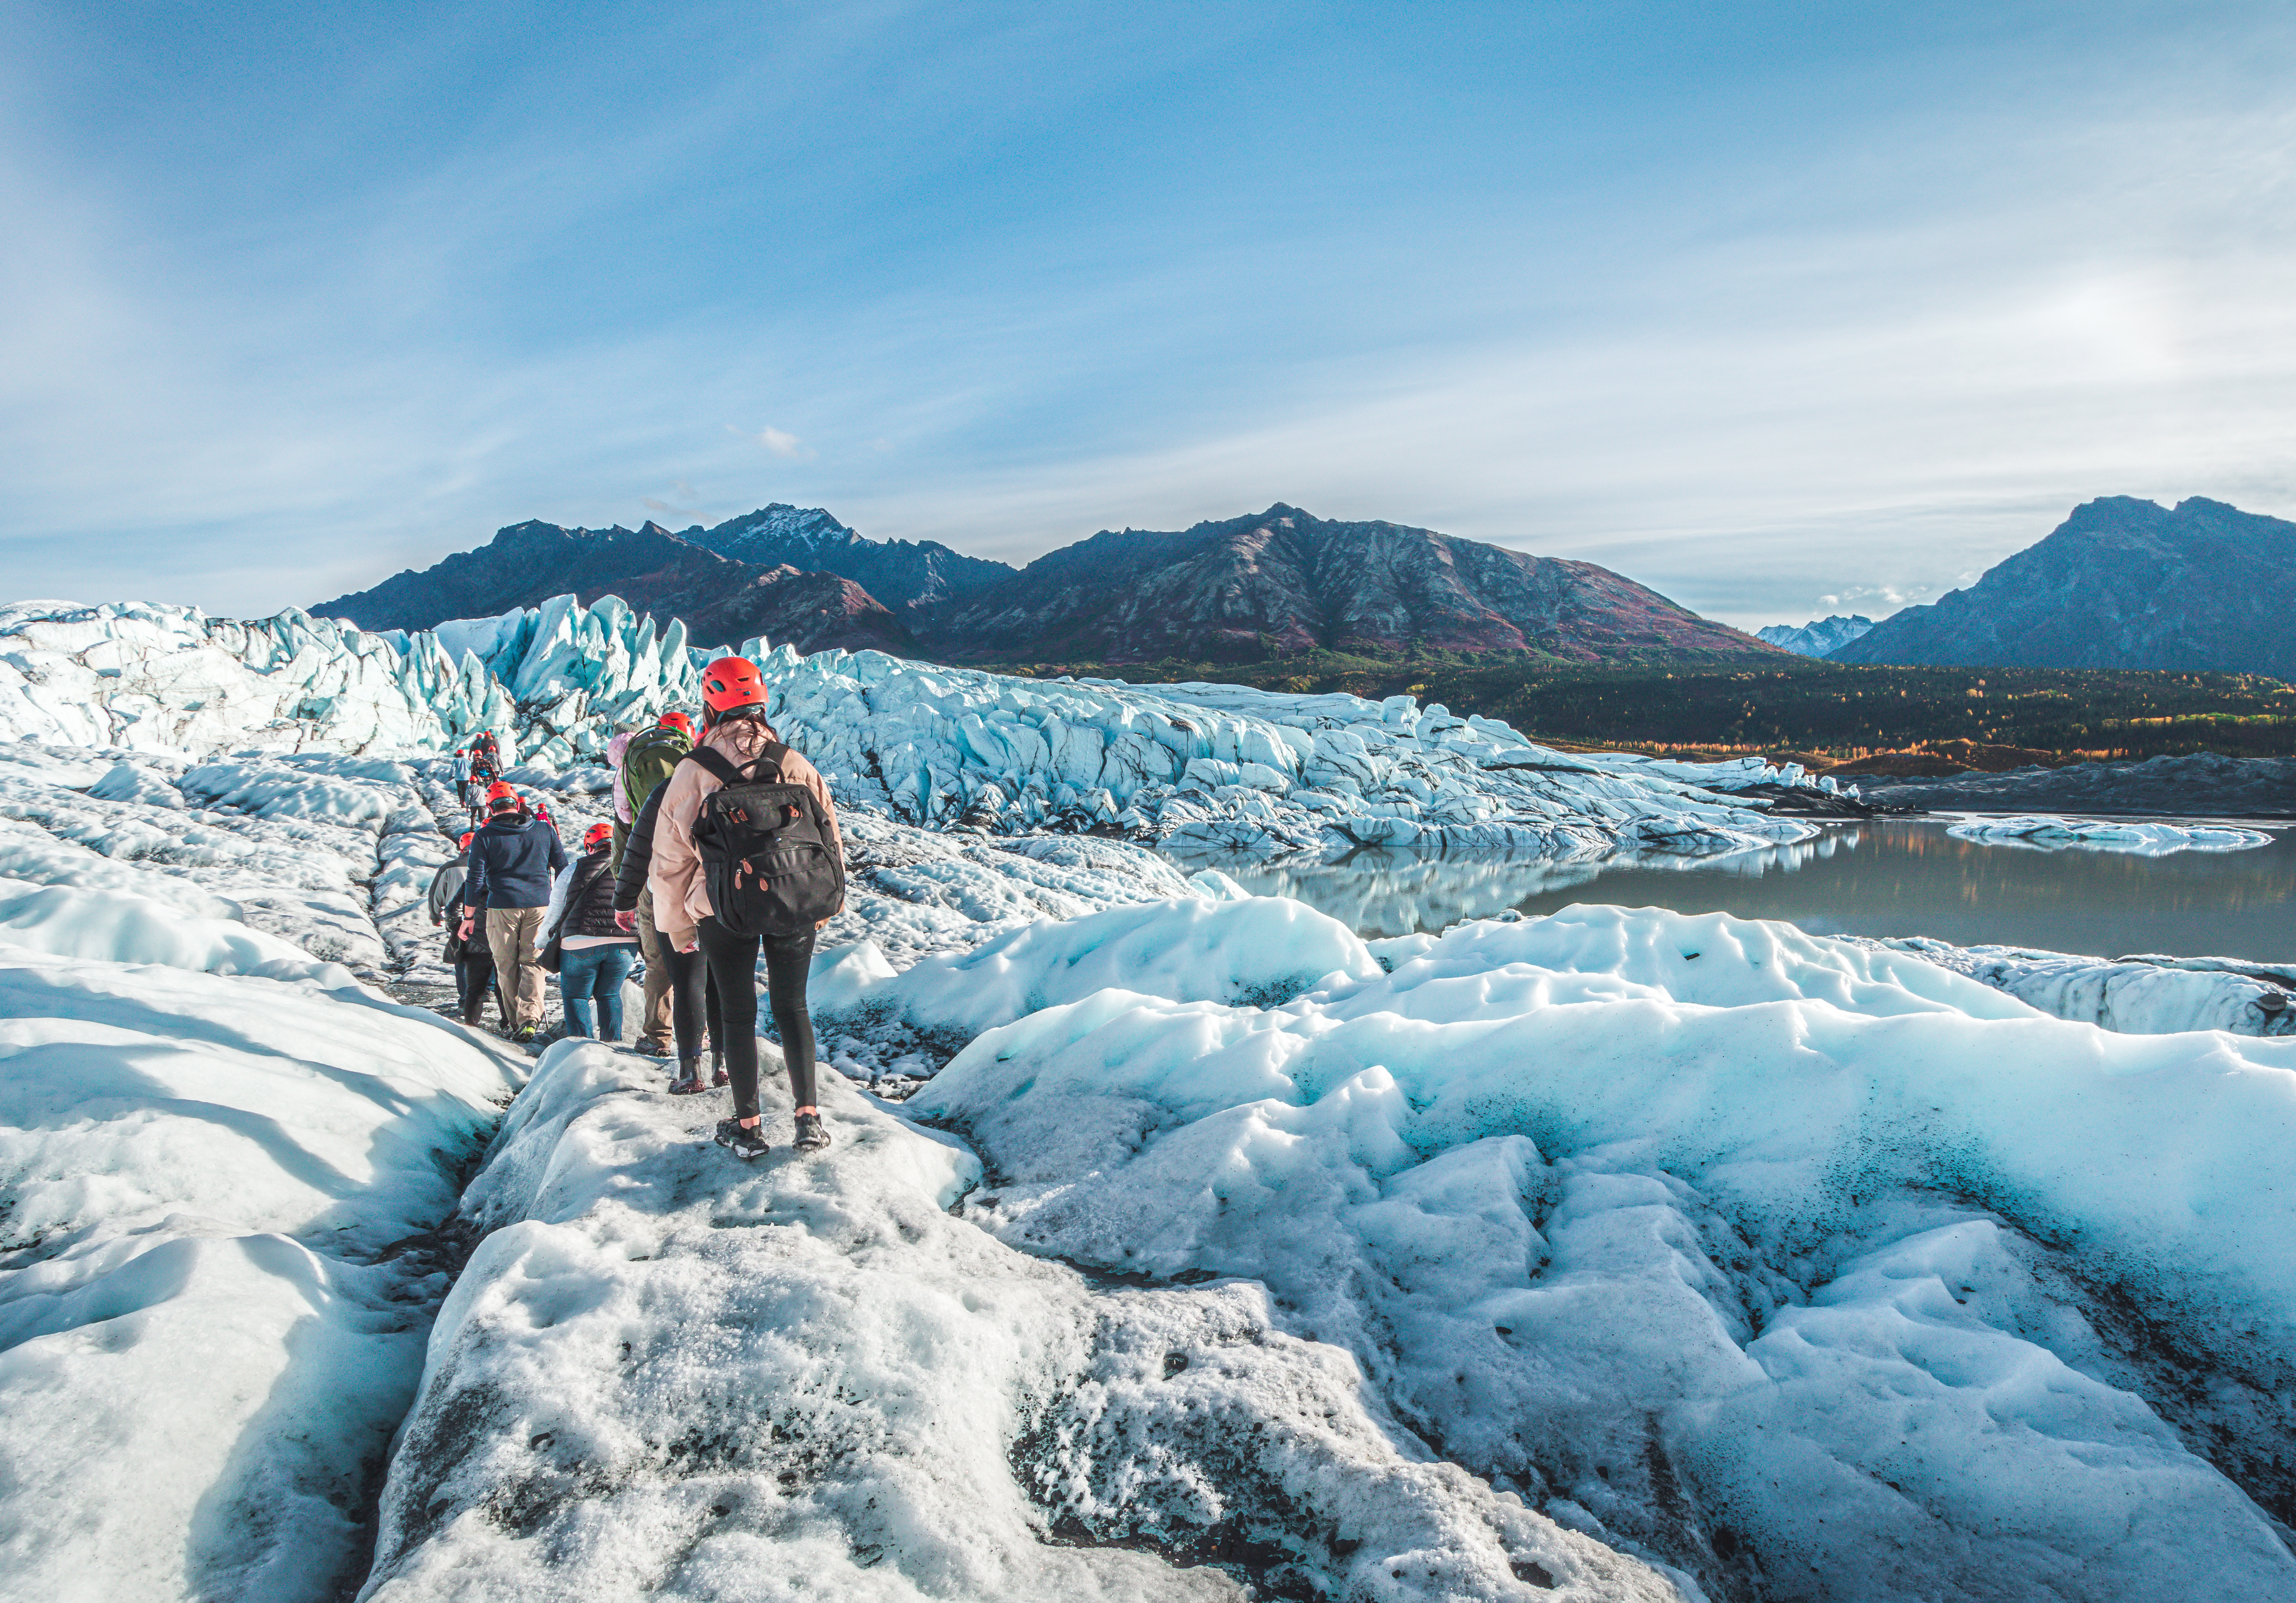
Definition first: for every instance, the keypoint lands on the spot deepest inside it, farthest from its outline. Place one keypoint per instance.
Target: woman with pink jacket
(733, 718)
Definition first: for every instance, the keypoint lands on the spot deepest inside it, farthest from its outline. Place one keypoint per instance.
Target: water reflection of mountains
(1383, 892)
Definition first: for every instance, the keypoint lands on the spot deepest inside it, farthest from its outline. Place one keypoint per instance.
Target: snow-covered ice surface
(667, 1375)
(300, 846)
(222, 1165)
(1819, 1271)
(2049, 832)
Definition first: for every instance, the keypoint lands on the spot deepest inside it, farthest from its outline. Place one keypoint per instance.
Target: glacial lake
(1882, 876)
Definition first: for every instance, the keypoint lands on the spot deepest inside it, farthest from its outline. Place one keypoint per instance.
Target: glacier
(1208, 765)
(1176, 1240)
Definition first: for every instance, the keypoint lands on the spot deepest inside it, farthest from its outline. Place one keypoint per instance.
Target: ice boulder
(2050, 832)
(125, 927)
(135, 782)
(2136, 995)
(1257, 950)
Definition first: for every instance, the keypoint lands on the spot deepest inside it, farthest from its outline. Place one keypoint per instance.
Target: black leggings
(733, 964)
(474, 978)
(692, 998)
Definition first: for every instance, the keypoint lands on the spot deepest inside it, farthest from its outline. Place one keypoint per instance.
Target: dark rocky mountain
(906, 576)
(1284, 581)
(722, 602)
(2121, 584)
(1249, 588)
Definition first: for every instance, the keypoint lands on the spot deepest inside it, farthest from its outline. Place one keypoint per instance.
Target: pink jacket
(615, 748)
(681, 901)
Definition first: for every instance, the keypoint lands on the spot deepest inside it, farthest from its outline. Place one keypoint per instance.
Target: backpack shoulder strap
(715, 762)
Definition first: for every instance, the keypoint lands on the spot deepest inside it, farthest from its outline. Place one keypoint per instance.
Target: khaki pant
(518, 968)
(654, 1024)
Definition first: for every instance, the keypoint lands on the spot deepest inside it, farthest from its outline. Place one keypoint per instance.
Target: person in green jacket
(647, 760)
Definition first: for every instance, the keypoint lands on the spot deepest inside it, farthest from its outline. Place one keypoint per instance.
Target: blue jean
(588, 974)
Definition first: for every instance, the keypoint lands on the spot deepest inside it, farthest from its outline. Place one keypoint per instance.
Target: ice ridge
(1212, 765)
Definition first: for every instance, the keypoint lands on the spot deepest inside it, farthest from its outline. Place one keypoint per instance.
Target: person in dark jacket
(512, 862)
(693, 990)
(595, 953)
(474, 962)
(466, 948)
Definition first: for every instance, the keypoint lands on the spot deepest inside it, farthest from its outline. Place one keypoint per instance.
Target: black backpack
(769, 858)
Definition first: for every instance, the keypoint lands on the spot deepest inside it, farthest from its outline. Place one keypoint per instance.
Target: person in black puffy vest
(595, 953)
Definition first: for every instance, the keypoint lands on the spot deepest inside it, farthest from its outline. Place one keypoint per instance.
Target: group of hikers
(476, 766)
(724, 848)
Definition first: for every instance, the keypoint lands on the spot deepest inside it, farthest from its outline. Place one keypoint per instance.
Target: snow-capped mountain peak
(1820, 638)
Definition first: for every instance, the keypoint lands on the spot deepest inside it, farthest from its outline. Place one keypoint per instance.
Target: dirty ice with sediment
(1177, 1242)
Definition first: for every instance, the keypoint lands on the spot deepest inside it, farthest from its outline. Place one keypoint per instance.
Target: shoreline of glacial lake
(1880, 877)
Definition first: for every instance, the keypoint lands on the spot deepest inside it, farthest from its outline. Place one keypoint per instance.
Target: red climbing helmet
(467, 836)
(679, 721)
(731, 683)
(596, 835)
(501, 797)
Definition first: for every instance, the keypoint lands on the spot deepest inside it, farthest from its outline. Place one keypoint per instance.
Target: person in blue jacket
(514, 861)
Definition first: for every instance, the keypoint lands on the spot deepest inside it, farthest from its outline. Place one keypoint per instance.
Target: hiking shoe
(718, 1074)
(689, 1087)
(812, 1134)
(525, 1035)
(744, 1141)
(652, 1048)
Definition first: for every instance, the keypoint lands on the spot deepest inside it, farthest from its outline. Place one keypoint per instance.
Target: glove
(625, 919)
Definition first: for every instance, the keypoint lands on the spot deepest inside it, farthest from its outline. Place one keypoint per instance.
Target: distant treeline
(1805, 706)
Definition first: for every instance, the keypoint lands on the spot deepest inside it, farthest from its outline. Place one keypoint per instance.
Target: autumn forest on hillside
(1832, 711)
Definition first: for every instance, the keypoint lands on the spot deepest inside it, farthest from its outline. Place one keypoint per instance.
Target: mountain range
(2120, 583)
(1245, 589)
(1821, 638)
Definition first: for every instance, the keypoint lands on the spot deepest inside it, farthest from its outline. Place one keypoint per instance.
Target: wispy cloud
(781, 444)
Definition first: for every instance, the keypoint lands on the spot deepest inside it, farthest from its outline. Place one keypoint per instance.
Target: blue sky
(1778, 308)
